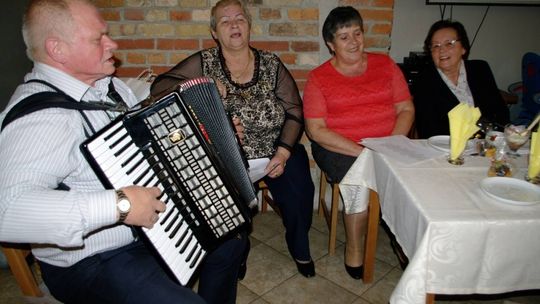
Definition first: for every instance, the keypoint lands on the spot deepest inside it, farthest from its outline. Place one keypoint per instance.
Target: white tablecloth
(355, 185)
(458, 240)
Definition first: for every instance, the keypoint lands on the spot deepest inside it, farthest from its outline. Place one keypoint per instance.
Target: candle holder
(458, 161)
(501, 167)
(534, 180)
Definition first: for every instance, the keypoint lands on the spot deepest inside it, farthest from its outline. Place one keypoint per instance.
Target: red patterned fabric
(357, 107)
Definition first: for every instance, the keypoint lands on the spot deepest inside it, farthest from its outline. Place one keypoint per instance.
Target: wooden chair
(17, 256)
(331, 220)
(331, 215)
(266, 199)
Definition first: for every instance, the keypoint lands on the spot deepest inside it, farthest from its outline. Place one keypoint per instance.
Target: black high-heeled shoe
(355, 272)
(306, 269)
(402, 258)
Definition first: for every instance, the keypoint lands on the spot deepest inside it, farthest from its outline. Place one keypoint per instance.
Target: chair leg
(430, 298)
(371, 236)
(267, 200)
(264, 203)
(331, 216)
(21, 271)
(322, 194)
(333, 220)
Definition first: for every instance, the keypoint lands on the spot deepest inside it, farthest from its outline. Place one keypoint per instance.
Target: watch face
(124, 205)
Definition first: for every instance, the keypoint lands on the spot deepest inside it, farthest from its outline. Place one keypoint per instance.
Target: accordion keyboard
(200, 209)
(123, 164)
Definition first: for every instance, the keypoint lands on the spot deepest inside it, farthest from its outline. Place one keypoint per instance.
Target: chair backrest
(530, 74)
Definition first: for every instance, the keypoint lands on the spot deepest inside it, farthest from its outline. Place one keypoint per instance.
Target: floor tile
(267, 268)
(244, 295)
(318, 243)
(381, 290)
(332, 268)
(267, 225)
(317, 289)
(384, 250)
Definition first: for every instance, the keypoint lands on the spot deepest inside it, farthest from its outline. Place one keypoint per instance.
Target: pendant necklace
(244, 70)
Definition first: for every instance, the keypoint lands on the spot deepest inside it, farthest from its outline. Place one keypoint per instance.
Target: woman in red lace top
(352, 96)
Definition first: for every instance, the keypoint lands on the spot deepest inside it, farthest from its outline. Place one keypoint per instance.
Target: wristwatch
(123, 205)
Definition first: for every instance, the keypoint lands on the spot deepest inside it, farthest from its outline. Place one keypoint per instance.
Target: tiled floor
(272, 275)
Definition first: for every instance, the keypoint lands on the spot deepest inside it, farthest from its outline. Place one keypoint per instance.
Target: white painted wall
(508, 32)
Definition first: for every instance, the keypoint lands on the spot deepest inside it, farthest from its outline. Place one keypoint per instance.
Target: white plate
(511, 190)
(442, 143)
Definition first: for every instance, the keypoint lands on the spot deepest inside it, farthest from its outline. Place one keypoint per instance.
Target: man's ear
(55, 49)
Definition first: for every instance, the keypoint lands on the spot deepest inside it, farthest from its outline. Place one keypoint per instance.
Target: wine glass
(516, 137)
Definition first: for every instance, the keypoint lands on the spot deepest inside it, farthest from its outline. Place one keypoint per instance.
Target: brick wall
(160, 33)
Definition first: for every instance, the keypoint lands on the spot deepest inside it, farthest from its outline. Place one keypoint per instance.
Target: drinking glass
(516, 137)
(494, 144)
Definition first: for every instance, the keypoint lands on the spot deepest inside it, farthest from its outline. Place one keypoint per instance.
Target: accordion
(185, 144)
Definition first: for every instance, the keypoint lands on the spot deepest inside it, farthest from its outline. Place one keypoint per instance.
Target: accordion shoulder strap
(44, 100)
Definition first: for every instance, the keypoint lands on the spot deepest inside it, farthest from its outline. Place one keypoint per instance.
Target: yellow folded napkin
(462, 120)
(534, 156)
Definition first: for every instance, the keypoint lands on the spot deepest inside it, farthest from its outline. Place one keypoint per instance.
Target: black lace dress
(269, 105)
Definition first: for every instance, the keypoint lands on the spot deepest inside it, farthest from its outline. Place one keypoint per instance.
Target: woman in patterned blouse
(258, 89)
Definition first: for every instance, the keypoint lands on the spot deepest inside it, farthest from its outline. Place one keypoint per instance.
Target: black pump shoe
(355, 272)
(306, 269)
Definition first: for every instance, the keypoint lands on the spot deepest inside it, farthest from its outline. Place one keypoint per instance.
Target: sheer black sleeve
(288, 95)
(188, 68)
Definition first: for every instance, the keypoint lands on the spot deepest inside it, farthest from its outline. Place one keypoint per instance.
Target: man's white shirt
(40, 150)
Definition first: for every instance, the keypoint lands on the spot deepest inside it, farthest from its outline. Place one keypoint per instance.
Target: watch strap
(120, 195)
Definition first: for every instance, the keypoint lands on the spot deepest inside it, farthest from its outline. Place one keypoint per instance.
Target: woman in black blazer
(451, 79)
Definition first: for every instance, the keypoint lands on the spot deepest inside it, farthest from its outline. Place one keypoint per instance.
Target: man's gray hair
(44, 19)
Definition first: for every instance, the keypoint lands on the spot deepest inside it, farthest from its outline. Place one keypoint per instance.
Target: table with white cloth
(458, 239)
